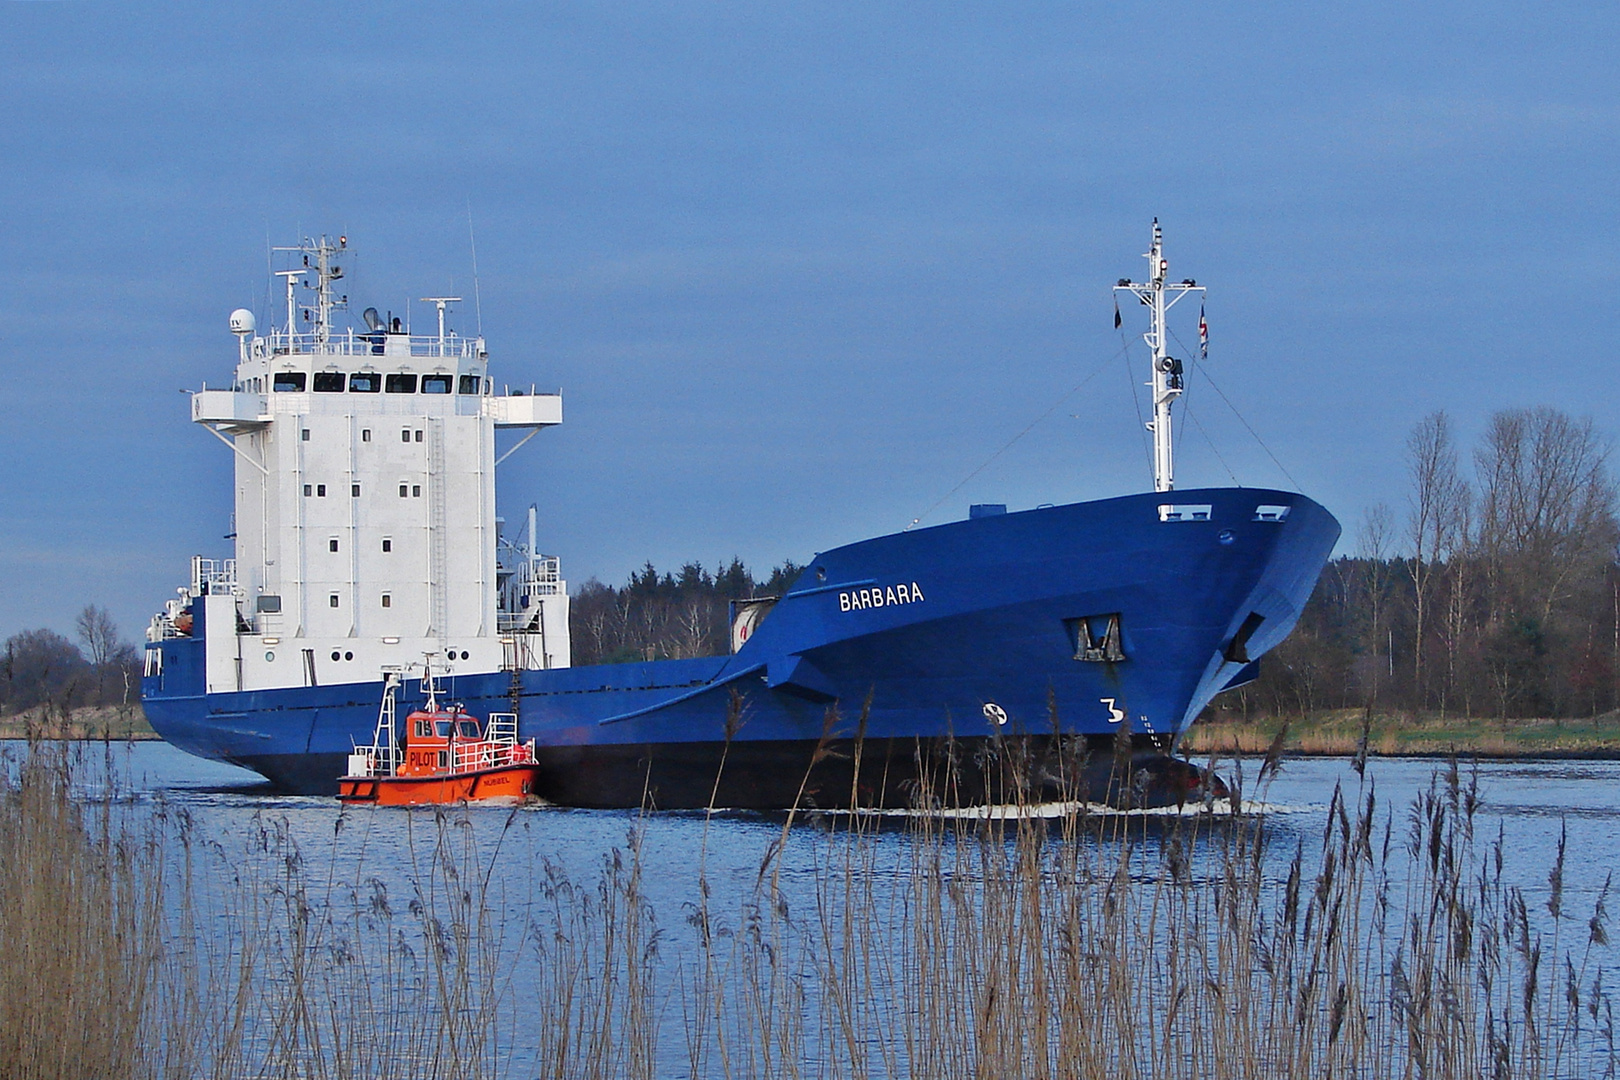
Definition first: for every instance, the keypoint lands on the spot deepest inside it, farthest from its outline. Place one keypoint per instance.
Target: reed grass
(1036, 943)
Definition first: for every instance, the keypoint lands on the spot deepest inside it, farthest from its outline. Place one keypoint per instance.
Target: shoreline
(1335, 733)
(1340, 733)
(114, 723)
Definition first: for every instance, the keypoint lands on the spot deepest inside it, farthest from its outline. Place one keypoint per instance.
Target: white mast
(326, 301)
(441, 302)
(1160, 296)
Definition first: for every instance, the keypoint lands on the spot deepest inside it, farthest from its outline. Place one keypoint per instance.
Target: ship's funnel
(373, 320)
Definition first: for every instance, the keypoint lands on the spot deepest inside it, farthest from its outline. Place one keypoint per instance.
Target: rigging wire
(1241, 418)
(1141, 422)
(1186, 407)
(1009, 444)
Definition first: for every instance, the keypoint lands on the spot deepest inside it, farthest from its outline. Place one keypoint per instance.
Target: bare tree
(1438, 501)
(98, 635)
(1547, 507)
(1372, 546)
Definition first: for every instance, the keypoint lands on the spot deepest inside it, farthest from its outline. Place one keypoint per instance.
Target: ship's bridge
(409, 375)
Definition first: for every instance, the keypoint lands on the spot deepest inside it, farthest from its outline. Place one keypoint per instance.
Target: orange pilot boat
(444, 756)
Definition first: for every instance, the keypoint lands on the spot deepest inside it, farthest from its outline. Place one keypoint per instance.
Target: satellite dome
(242, 321)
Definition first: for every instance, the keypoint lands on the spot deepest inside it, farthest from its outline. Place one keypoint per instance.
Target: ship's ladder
(437, 556)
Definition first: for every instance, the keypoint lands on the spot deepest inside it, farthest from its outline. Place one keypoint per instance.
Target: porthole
(348, 656)
(269, 657)
(465, 654)
(337, 656)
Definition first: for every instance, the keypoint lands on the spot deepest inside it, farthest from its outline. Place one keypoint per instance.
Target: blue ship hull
(906, 667)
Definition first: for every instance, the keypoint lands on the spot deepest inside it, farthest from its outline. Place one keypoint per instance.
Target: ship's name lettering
(880, 596)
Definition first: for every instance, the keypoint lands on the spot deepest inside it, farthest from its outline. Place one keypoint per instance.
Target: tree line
(42, 667)
(666, 616)
(1493, 591)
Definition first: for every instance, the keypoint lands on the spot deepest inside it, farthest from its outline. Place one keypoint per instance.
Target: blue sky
(798, 270)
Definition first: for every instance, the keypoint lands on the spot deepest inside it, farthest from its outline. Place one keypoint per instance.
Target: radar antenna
(1160, 296)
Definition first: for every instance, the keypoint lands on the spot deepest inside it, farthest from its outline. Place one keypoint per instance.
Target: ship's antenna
(472, 242)
(442, 302)
(1160, 296)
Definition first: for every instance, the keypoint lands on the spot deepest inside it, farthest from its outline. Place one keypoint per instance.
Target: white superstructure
(365, 525)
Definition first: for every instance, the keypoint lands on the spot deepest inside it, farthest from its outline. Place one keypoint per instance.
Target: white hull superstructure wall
(365, 526)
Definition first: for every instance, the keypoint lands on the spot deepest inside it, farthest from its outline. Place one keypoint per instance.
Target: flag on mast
(1116, 313)
(1203, 334)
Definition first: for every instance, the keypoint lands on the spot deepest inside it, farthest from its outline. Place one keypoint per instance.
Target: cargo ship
(1003, 655)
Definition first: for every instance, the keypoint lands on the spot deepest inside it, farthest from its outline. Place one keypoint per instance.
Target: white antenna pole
(472, 244)
(441, 302)
(292, 277)
(1160, 296)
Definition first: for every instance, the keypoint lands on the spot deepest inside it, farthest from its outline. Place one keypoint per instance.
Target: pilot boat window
(468, 729)
(400, 384)
(365, 382)
(288, 382)
(329, 382)
(442, 728)
(436, 384)
(424, 728)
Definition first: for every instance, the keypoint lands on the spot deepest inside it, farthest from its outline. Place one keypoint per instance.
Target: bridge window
(436, 384)
(364, 382)
(398, 383)
(329, 382)
(469, 384)
(288, 382)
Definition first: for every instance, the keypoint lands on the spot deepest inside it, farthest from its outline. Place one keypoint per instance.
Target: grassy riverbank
(1339, 731)
(105, 722)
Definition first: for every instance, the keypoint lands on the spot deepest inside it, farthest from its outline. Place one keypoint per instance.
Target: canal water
(238, 826)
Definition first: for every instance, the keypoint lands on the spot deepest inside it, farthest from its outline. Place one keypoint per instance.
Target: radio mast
(1160, 296)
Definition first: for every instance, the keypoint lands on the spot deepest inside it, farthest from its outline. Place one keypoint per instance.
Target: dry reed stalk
(974, 945)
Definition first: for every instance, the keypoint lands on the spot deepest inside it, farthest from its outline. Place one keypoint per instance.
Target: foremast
(1159, 296)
